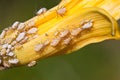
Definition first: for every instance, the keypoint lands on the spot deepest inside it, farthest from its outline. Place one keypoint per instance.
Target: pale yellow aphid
(3, 34)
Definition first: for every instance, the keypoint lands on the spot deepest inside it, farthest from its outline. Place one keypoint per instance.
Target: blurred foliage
(95, 62)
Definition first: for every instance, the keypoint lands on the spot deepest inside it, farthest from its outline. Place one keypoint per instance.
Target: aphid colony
(9, 44)
(64, 36)
(23, 35)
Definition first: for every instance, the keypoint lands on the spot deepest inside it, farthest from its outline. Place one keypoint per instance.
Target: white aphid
(4, 46)
(3, 34)
(31, 23)
(39, 47)
(9, 46)
(32, 31)
(15, 25)
(64, 33)
(21, 26)
(76, 31)
(87, 25)
(61, 11)
(20, 36)
(41, 11)
(32, 63)
(13, 61)
(55, 42)
(8, 50)
(67, 41)
(10, 54)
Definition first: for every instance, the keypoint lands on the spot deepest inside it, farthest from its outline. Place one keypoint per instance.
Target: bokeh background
(99, 61)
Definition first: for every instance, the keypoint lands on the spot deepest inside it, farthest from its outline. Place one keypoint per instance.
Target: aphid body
(32, 63)
(61, 11)
(76, 31)
(41, 11)
(39, 47)
(55, 42)
(64, 33)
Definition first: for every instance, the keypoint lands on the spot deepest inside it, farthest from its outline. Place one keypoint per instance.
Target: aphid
(21, 26)
(18, 46)
(5, 46)
(8, 50)
(76, 31)
(41, 11)
(32, 63)
(61, 11)
(64, 33)
(20, 36)
(13, 43)
(10, 54)
(87, 25)
(3, 34)
(8, 40)
(39, 47)
(6, 64)
(15, 25)
(12, 48)
(47, 42)
(13, 61)
(2, 41)
(9, 46)
(55, 42)
(67, 41)
(6, 29)
(31, 23)
(3, 51)
(32, 31)
(24, 40)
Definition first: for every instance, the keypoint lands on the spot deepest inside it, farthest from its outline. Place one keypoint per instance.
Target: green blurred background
(99, 61)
